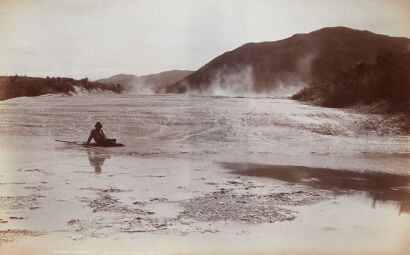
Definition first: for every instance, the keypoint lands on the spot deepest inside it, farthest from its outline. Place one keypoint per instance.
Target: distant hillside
(122, 79)
(147, 83)
(384, 84)
(18, 86)
(292, 63)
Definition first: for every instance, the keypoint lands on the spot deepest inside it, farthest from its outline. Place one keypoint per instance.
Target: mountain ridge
(300, 58)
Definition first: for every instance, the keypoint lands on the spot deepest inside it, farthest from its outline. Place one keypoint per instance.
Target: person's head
(98, 125)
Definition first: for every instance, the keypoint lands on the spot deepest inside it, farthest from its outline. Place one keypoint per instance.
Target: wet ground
(201, 175)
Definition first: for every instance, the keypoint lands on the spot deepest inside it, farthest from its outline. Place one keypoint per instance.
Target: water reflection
(380, 187)
(97, 158)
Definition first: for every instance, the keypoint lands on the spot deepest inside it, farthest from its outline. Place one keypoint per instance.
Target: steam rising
(241, 81)
(236, 80)
(232, 84)
(139, 87)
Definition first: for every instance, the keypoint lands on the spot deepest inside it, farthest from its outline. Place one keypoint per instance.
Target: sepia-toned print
(204, 127)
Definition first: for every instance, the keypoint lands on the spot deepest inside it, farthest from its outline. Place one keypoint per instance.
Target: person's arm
(89, 138)
(102, 132)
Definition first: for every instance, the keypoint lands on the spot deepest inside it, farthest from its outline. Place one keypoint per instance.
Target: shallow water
(182, 147)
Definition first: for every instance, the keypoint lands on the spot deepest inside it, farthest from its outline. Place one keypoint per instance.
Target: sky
(101, 38)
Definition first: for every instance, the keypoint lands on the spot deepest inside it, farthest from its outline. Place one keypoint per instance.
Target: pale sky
(101, 38)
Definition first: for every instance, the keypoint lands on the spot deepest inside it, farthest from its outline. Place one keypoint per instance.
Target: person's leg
(109, 142)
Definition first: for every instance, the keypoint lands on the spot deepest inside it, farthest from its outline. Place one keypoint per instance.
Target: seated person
(99, 137)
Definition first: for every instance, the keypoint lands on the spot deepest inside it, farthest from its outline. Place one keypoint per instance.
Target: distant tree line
(387, 81)
(17, 86)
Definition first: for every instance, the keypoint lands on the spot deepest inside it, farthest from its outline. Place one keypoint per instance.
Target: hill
(289, 64)
(18, 86)
(146, 83)
(384, 85)
(122, 79)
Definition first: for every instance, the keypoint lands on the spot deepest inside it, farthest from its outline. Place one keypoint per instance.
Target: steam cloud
(141, 88)
(232, 84)
(241, 82)
(138, 86)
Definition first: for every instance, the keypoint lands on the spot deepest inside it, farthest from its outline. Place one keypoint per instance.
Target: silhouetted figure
(97, 160)
(99, 137)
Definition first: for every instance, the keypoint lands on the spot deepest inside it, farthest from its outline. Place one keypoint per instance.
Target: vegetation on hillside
(18, 86)
(384, 83)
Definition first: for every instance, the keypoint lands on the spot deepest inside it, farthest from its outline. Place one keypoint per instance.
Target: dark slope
(301, 58)
(384, 86)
